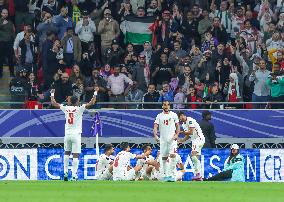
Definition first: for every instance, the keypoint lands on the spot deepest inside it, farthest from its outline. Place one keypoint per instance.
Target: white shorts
(125, 176)
(197, 146)
(72, 143)
(106, 175)
(167, 148)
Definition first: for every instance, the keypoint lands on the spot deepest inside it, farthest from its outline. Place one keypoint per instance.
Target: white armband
(52, 94)
(95, 93)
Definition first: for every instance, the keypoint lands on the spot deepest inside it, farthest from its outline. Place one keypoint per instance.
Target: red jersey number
(166, 122)
(71, 118)
(116, 161)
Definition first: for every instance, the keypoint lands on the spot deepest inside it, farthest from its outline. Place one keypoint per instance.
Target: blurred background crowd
(195, 53)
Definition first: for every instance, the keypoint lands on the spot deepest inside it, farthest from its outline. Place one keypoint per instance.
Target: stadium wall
(262, 165)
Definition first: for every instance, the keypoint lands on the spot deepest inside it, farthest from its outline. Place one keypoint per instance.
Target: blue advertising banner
(139, 123)
(261, 165)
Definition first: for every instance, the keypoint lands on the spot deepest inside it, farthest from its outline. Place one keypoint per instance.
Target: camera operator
(276, 81)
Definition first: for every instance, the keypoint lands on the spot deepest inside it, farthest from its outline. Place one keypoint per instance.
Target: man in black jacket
(208, 130)
(151, 96)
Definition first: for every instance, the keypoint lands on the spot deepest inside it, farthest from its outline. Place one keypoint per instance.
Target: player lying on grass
(104, 165)
(168, 124)
(148, 163)
(234, 167)
(121, 166)
(73, 130)
(191, 129)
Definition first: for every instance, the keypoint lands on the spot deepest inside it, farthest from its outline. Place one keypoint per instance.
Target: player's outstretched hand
(157, 138)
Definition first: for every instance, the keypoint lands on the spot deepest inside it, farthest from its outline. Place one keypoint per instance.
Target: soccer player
(73, 129)
(121, 166)
(148, 163)
(176, 163)
(104, 165)
(192, 130)
(168, 125)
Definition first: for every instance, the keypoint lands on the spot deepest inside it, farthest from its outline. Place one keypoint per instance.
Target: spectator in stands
(189, 29)
(75, 74)
(204, 24)
(72, 48)
(117, 88)
(141, 73)
(114, 54)
(186, 79)
(27, 55)
(205, 68)
(125, 10)
(177, 54)
(63, 89)
(33, 88)
(51, 6)
(163, 71)
(7, 36)
(219, 31)
(261, 89)
(166, 94)
(78, 88)
(192, 96)
(62, 22)
(85, 29)
(93, 82)
(213, 98)
(134, 95)
(45, 27)
(18, 89)
(276, 81)
(208, 130)
(151, 96)
(108, 29)
(22, 15)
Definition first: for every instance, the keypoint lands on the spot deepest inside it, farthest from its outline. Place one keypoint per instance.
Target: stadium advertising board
(265, 165)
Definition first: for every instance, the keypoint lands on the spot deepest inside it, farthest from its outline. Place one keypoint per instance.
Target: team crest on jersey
(190, 122)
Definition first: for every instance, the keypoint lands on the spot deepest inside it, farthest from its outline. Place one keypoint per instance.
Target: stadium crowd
(200, 51)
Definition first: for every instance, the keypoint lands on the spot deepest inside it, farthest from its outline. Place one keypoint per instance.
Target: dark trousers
(222, 176)
(256, 98)
(69, 59)
(6, 52)
(117, 98)
(277, 99)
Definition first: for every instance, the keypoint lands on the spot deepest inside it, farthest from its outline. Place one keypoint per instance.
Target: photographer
(276, 82)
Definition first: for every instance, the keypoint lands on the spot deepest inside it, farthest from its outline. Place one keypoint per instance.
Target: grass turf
(88, 191)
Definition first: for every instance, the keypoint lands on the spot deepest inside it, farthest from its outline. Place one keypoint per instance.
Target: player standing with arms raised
(192, 130)
(73, 130)
(168, 125)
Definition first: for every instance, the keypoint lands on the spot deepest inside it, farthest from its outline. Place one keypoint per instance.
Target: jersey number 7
(71, 118)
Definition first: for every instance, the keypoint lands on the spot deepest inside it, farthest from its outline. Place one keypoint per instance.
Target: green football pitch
(89, 191)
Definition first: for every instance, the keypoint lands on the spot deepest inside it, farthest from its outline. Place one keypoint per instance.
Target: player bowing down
(192, 130)
(121, 166)
(168, 125)
(73, 130)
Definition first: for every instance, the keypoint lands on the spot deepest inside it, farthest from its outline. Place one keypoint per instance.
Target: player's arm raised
(93, 100)
(53, 101)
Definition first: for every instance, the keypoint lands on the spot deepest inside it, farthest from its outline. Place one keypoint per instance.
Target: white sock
(172, 167)
(196, 164)
(164, 168)
(66, 163)
(75, 166)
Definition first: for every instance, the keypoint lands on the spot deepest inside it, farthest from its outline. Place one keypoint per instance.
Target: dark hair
(180, 113)
(74, 100)
(108, 147)
(145, 146)
(165, 82)
(124, 145)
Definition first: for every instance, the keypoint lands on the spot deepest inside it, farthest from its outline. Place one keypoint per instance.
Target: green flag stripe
(136, 38)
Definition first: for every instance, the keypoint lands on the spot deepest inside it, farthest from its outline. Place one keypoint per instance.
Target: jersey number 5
(166, 122)
(116, 161)
(71, 118)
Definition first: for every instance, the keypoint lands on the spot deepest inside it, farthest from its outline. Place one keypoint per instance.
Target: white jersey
(74, 119)
(122, 162)
(143, 162)
(167, 125)
(103, 163)
(197, 132)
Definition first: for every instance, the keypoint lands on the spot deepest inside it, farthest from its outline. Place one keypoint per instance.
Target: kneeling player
(121, 167)
(104, 166)
(148, 163)
(193, 130)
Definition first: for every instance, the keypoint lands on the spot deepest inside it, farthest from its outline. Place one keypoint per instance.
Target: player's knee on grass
(149, 170)
(67, 153)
